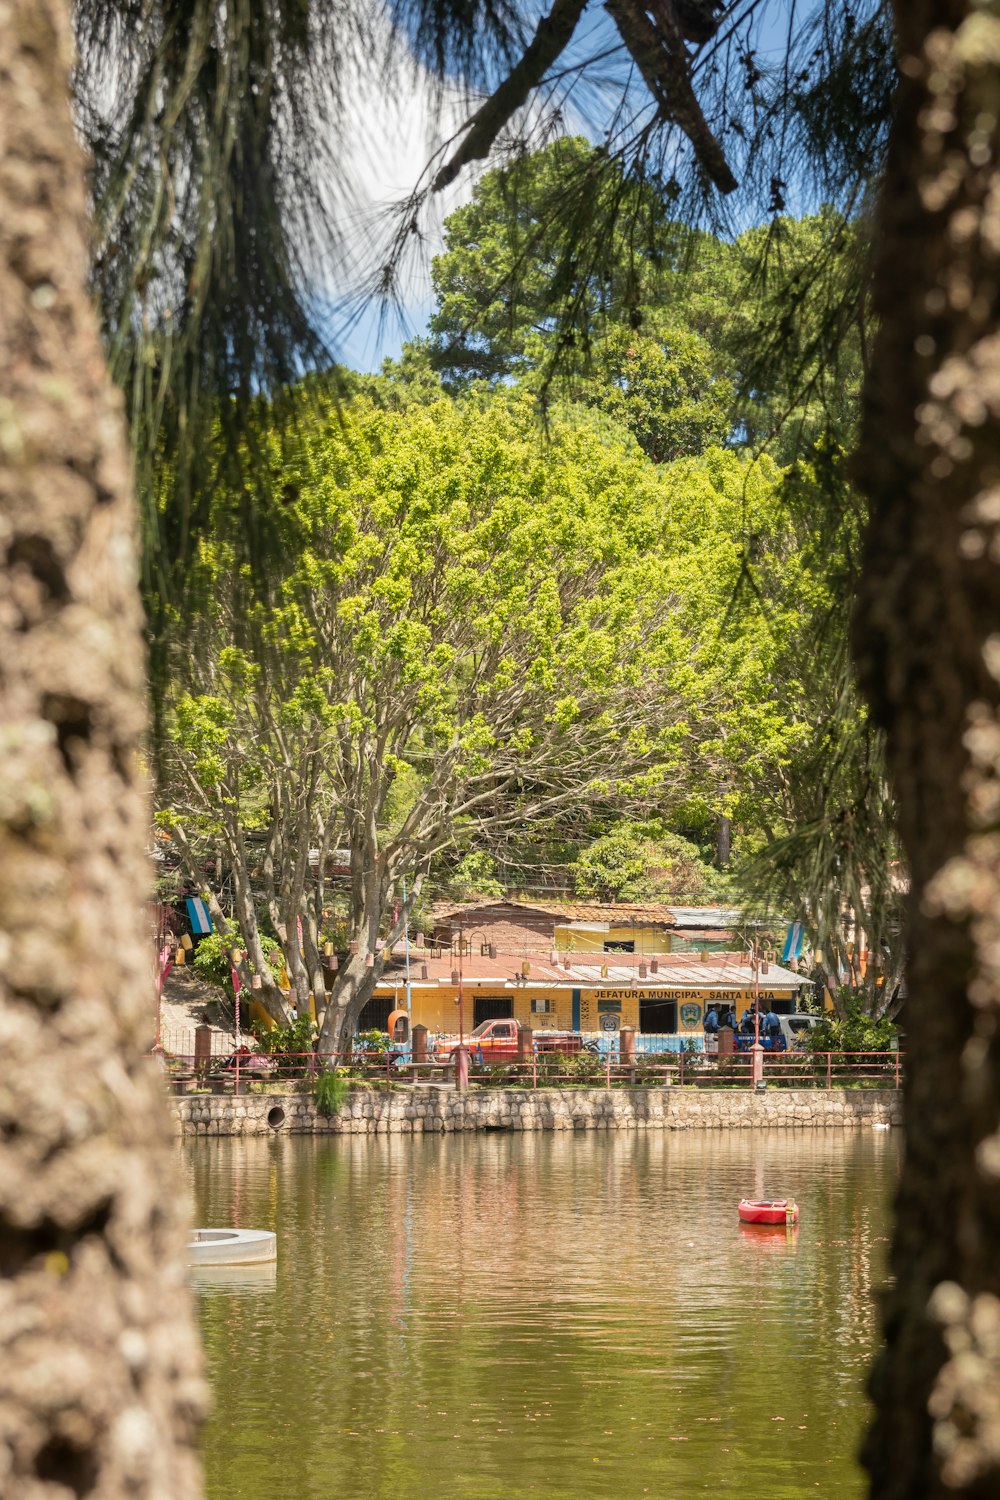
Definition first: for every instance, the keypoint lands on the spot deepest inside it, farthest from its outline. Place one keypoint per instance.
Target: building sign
(626, 1005)
(609, 1021)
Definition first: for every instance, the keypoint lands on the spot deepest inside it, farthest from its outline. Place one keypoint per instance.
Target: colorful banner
(201, 922)
(793, 943)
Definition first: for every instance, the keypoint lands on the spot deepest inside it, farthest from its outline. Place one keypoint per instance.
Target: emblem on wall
(690, 1015)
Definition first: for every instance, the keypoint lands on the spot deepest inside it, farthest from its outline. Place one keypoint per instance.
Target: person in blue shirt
(711, 1021)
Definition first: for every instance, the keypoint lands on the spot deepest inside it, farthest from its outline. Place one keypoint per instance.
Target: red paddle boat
(768, 1211)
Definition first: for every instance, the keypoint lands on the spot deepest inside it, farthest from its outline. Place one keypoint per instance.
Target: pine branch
(662, 58)
(552, 36)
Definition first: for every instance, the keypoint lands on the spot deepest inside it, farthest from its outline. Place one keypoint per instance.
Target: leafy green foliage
(475, 875)
(374, 1041)
(663, 388)
(642, 862)
(291, 1041)
(330, 1089)
(519, 263)
(853, 1030)
(471, 628)
(211, 960)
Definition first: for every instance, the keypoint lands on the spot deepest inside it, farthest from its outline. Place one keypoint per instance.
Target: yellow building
(588, 992)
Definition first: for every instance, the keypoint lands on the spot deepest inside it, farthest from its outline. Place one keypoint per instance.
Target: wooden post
(525, 1049)
(756, 1064)
(202, 1049)
(461, 1056)
(726, 1041)
(419, 1038)
(626, 1044)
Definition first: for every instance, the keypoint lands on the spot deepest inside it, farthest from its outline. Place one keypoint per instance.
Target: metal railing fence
(543, 1069)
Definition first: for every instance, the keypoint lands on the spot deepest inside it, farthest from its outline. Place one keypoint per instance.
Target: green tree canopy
(470, 627)
(641, 861)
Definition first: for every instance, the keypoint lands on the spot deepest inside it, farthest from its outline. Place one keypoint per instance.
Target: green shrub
(211, 960)
(330, 1089)
(374, 1040)
(857, 1032)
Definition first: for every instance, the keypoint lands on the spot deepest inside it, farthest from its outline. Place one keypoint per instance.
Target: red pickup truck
(497, 1041)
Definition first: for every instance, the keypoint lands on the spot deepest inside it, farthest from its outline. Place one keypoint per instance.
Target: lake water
(557, 1315)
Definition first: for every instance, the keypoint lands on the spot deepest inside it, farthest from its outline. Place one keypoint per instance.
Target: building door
(491, 1008)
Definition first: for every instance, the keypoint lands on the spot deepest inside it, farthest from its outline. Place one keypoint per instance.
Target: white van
(795, 1027)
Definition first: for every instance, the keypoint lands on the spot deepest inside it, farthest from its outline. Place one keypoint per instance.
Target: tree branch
(552, 36)
(662, 59)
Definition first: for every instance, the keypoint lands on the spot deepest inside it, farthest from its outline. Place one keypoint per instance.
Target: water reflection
(207, 1279)
(555, 1315)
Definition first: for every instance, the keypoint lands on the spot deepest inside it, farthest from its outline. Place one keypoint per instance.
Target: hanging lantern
(493, 950)
(423, 971)
(634, 985)
(354, 947)
(455, 976)
(654, 966)
(526, 968)
(565, 960)
(793, 964)
(236, 955)
(643, 971)
(369, 960)
(764, 966)
(334, 964)
(604, 971)
(256, 983)
(186, 942)
(420, 940)
(818, 956)
(554, 959)
(327, 950)
(179, 958)
(703, 955)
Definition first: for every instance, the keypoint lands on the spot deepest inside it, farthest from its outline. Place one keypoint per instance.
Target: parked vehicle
(497, 1041)
(795, 1030)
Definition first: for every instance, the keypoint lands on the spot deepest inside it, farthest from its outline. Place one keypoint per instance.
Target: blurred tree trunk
(928, 648)
(100, 1390)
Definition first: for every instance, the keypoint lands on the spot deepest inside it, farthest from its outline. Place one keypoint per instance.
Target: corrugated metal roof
(680, 971)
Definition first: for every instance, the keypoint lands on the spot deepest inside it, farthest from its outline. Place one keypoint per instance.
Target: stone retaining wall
(419, 1110)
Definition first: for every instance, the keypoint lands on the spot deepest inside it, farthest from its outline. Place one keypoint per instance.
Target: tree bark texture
(928, 648)
(100, 1385)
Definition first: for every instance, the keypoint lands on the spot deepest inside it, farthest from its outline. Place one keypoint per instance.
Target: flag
(793, 942)
(201, 922)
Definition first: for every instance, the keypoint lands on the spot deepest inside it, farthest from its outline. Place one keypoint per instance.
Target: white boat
(231, 1247)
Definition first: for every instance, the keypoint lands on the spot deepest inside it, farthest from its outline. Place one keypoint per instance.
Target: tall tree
(471, 632)
(99, 1384)
(927, 647)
